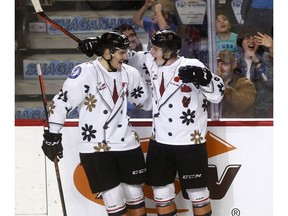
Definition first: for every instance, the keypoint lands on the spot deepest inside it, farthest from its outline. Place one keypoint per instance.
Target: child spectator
(257, 65)
(225, 39)
(240, 92)
(162, 16)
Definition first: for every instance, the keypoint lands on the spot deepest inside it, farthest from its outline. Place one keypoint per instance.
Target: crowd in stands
(244, 46)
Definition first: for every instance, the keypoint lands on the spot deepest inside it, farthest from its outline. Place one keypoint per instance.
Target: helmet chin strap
(165, 50)
(165, 59)
(112, 69)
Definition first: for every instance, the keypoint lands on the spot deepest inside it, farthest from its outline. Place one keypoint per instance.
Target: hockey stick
(42, 15)
(47, 123)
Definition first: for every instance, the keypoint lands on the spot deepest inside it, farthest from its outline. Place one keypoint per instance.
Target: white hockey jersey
(180, 114)
(103, 125)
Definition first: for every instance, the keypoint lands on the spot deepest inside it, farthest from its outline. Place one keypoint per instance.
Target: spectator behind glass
(191, 40)
(162, 16)
(225, 39)
(129, 31)
(240, 92)
(258, 13)
(136, 46)
(256, 64)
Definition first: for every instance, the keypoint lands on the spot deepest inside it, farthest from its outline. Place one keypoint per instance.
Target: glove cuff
(52, 138)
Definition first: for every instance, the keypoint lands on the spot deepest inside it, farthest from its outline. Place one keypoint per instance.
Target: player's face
(119, 57)
(157, 53)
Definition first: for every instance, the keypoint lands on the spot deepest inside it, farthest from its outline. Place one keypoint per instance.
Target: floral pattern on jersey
(196, 137)
(188, 117)
(205, 105)
(220, 86)
(102, 147)
(51, 108)
(90, 102)
(137, 92)
(88, 132)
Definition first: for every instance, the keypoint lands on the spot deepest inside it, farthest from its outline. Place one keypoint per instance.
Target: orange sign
(215, 146)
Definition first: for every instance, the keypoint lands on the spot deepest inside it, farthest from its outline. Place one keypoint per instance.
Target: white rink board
(250, 192)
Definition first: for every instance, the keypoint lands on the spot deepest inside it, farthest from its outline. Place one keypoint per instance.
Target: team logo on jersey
(75, 73)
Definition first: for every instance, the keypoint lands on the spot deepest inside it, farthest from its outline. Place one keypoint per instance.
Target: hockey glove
(52, 146)
(194, 74)
(89, 46)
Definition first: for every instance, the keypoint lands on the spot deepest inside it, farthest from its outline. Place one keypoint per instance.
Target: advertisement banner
(57, 66)
(240, 167)
(92, 23)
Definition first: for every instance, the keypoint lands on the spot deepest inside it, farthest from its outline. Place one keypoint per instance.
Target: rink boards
(240, 166)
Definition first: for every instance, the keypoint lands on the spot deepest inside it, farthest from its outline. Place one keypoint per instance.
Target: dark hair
(248, 31)
(244, 32)
(125, 27)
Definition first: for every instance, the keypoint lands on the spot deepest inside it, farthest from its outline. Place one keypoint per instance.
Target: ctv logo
(218, 186)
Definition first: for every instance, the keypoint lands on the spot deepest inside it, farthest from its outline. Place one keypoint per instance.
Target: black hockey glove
(52, 146)
(89, 46)
(194, 74)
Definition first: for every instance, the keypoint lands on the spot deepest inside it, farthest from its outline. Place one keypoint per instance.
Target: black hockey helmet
(167, 39)
(113, 41)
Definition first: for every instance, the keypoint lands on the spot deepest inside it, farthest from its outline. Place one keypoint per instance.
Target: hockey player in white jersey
(109, 148)
(182, 89)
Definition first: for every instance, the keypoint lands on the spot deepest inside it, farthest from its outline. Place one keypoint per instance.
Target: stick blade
(39, 69)
(37, 6)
